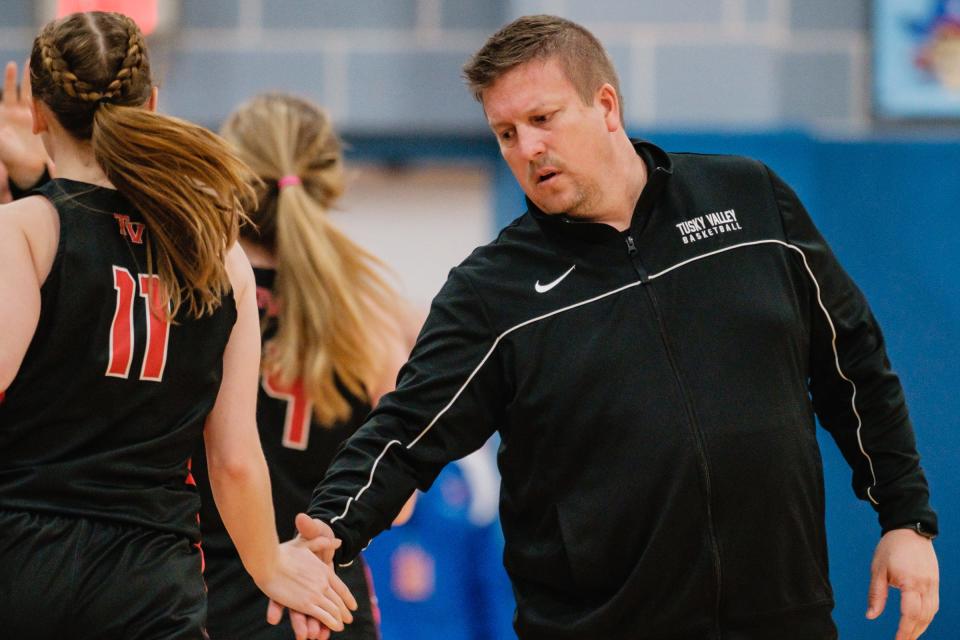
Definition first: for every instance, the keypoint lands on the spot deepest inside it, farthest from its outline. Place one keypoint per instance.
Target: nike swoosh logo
(543, 288)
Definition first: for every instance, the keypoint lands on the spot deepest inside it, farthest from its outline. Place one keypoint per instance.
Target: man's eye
(506, 135)
(540, 119)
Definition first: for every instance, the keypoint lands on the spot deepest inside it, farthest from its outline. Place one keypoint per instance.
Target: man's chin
(551, 206)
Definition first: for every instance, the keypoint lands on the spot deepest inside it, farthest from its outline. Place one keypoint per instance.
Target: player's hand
(300, 580)
(317, 537)
(20, 150)
(304, 627)
(905, 560)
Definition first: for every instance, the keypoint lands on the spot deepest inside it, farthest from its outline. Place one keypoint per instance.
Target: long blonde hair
(334, 303)
(92, 71)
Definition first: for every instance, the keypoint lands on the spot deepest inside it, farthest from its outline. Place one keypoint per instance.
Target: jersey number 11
(121, 329)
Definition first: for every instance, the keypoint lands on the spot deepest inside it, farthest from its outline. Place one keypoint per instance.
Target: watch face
(918, 527)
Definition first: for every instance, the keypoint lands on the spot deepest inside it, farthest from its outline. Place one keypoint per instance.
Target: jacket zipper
(694, 426)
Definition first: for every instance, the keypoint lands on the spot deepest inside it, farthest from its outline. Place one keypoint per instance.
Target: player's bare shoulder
(35, 220)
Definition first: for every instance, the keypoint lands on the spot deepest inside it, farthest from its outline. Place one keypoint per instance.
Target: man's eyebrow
(540, 106)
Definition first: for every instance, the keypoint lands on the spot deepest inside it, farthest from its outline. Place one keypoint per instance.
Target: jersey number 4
(296, 421)
(121, 330)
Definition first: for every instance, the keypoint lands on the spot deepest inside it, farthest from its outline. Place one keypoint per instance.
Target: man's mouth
(546, 176)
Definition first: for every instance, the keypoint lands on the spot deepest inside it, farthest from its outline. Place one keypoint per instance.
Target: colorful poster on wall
(916, 58)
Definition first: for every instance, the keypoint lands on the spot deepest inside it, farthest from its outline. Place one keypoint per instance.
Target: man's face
(555, 145)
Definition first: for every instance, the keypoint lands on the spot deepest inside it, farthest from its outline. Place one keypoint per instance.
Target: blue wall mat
(890, 212)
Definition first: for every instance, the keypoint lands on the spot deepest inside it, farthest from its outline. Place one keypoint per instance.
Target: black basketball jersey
(298, 449)
(111, 397)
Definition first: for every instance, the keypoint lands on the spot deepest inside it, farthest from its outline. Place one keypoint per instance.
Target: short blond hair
(542, 37)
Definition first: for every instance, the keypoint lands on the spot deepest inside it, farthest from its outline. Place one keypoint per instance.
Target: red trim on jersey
(203, 557)
(190, 480)
(374, 604)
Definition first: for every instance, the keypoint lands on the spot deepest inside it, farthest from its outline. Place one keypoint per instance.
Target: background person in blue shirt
(441, 574)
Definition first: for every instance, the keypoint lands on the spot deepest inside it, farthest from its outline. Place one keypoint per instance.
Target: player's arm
(29, 231)
(860, 401)
(240, 481)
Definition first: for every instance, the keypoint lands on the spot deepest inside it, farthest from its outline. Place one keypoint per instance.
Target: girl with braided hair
(129, 329)
(335, 334)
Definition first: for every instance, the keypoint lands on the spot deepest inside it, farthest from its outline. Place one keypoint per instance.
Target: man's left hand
(905, 560)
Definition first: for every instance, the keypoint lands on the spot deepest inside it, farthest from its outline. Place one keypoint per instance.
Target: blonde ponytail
(334, 322)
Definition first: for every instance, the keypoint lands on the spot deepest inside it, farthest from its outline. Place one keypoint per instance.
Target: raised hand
(21, 151)
(905, 560)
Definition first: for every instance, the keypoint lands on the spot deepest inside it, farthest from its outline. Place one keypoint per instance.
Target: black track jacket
(655, 392)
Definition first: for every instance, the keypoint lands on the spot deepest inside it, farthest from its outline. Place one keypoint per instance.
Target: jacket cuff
(907, 512)
(349, 546)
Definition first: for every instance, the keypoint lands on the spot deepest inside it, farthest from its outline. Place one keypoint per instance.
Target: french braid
(131, 65)
(62, 76)
(84, 91)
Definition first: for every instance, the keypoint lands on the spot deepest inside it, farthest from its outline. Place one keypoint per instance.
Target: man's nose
(532, 144)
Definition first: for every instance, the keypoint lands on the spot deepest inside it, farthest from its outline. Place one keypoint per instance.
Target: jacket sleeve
(856, 395)
(447, 403)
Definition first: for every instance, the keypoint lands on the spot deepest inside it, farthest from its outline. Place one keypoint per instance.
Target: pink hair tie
(287, 181)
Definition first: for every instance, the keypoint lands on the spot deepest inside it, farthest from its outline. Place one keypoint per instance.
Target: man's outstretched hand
(905, 560)
(319, 538)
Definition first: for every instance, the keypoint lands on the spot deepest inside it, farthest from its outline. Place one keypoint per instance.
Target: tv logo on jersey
(708, 225)
(130, 229)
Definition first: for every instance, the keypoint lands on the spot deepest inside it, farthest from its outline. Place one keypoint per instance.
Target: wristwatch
(919, 529)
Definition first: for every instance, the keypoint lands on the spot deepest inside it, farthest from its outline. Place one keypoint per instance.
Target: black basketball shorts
(79, 578)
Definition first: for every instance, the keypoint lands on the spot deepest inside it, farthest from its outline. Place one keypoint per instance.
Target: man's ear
(609, 102)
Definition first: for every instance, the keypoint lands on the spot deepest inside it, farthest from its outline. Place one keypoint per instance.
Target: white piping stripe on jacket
(816, 285)
(373, 470)
(836, 361)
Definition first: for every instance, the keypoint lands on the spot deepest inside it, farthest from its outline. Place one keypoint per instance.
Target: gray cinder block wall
(393, 66)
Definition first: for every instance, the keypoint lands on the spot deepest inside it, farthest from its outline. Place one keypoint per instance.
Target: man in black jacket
(651, 339)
